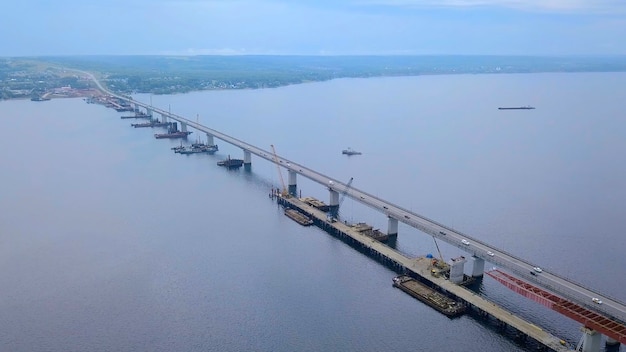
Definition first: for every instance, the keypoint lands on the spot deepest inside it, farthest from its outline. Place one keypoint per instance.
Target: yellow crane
(284, 192)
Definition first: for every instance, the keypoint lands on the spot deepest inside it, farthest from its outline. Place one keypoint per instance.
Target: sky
(312, 27)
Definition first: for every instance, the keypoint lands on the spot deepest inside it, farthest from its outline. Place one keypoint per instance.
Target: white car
(596, 300)
(490, 253)
(465, 242)
(537, 269)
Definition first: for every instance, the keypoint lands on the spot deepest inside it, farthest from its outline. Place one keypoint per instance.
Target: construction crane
(331, 215)
(344, 192)
(438, 250)
(284, 192)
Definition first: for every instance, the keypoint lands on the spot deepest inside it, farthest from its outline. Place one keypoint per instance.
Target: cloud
(561, 6)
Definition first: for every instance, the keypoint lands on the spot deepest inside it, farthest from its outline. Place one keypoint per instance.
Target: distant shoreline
(160, 75)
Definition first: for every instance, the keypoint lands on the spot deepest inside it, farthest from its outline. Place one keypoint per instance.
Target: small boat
(350, 151)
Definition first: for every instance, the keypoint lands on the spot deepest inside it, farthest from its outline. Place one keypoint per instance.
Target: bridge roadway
(561, 286)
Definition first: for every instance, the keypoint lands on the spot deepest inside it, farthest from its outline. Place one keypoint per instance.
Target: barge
(172, 133)
(517, 108)
(298, 217)
(230, 163)
(318, 204)
(151, 124)
(195, 149)
(431, 297)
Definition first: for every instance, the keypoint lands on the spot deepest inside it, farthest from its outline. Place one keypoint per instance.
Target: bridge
(609, 316)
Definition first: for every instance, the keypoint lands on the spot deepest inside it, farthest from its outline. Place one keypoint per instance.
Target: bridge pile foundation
(478, 267)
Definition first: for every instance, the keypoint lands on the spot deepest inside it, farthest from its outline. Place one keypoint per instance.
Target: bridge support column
(478, 267)
(392, 227)
(612, 344)
(590, 341)
(149, 112)
(456, 269)
(183, 127)
(293, 185)
(209, 140)
(247, 157)
(136, 107)
(163, 118)
(334, 202)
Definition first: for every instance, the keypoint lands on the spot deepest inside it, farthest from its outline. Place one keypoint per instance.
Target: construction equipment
(438, 250)
(343, 193)
(284, 192)
(333, 212)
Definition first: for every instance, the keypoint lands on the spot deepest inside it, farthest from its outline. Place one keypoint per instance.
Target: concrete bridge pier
(209, 141)
(183, 127)
(148, 112)
(293, 185)
(478, 267)
(247, 156)
(392, 227)
(334, 202)
(457, 269)
(612, 344)
(163, 118)
(590, 341)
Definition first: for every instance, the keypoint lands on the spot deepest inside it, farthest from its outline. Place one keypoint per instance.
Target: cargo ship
(434, 299)
(517, 108)
(298, 217)
(230, 163)
(350, 151)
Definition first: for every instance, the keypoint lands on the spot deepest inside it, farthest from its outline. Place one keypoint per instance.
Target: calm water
(111, 242)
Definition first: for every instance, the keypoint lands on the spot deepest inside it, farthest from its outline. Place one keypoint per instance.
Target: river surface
(111, 242)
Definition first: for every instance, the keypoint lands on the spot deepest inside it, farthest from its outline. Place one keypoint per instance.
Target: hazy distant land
(26, 77)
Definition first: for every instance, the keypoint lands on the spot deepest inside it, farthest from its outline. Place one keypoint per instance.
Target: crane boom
(438, 250)
(283, 191)
(345, 191)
